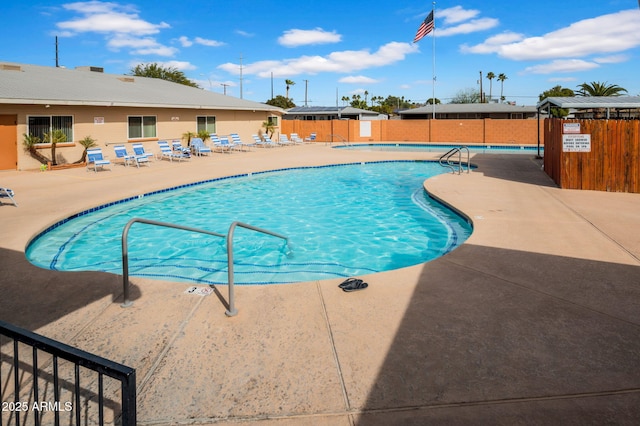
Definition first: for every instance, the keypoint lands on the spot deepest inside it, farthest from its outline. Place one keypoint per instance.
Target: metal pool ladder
(231, 310)
(456, 167)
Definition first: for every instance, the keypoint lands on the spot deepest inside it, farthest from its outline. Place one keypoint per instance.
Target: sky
(248, 49)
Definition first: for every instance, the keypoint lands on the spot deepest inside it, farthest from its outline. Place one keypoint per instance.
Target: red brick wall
(483, 131)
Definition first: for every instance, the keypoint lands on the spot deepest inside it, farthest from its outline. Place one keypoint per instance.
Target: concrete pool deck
(533, 320)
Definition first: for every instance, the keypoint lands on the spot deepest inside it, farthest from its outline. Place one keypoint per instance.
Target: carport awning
(588, 102)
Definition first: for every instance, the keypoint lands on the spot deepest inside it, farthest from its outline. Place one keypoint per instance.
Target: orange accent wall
(483, 131)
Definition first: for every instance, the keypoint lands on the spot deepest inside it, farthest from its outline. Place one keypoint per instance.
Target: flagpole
(433, 81)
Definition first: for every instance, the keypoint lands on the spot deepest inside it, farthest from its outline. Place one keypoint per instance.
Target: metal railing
(231, 310)
(32, 402)
(342, 139)
(445, 160)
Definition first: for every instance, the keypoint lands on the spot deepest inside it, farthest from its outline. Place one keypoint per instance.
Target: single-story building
(110, 108)
(332, 113)
(469, 111)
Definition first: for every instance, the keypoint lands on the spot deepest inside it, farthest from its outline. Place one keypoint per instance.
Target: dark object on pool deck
(353, 284)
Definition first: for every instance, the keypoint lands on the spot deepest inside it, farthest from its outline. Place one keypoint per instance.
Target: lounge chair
(199, 148)
(122, 154)
(177, 147)
(7, 193)
(237, 143)
(268, 141)
(167, 152)
(311, 138)
(96, 160)
(138, 149)
(284, 140)
(296, 139)
(224, 145)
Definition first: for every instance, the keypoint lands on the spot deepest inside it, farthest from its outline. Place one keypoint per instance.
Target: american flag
(425, 28)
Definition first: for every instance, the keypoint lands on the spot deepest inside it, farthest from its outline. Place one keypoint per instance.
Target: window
(45, 124)
(142, 127)
(273, 121)
(206, 124)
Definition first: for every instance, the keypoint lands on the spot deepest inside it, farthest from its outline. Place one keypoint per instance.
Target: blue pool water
(410, 147)
(341, 221)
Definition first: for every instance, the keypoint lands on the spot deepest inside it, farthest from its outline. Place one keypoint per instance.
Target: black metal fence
(47, 382)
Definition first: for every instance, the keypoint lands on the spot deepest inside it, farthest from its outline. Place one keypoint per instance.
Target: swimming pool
(342, 220)
(423, 147)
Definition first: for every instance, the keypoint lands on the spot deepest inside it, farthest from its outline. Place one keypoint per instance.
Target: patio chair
(138, 149)
(284, 140)
(237, 143)
(224, 145)
(167, 152)
(8, 193)
(96, 160)
(311, 138)
(199, 148)
(177, 147)
(122, 154)
(268, 141)
(296, 139)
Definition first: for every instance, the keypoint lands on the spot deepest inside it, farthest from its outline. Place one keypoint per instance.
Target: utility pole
(57, 63)
(481, 95)
(271, 84)
(306, 85)
(225, 87)
(240, 76)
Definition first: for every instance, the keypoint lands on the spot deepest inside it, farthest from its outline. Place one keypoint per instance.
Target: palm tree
(366, 95)
(345, 99)
(87, 142)
(501, 78)
(490, 77)
(596, 88)
(289, 83)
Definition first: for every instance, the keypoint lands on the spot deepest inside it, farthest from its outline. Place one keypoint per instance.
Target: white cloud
(456, 14)
(296, 37)
(340, 62)
(611, 33)
(244, 33)
(357, 79)
(561, 66)
(103, 17)
(141, 46)
(206, 42)
(612, 59)
(179, 65)
(185, 42)
(473, 26)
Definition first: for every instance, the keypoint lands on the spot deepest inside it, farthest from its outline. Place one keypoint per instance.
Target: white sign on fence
(573, 128)
(576, 143)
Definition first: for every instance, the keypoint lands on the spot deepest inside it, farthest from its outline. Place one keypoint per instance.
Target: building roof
(33, 84)
(487, 108)
(584, 102)
(330, 110)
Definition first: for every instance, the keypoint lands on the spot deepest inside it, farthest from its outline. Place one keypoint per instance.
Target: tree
(555, 92)
(596, 88)
(55, 137)
(281, 102)
(87, 142)
(501, 78)
(490, 77)
(289, 83)
(345, 99)
(155, 70)
(466, 96)
(432, 101)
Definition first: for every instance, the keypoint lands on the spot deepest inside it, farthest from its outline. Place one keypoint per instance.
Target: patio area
(535, 319)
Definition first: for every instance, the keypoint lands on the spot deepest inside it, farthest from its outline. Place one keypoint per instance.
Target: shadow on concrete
(33, 297)
(496, 336)
(522, 168)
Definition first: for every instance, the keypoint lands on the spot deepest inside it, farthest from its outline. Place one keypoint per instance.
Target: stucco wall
(108, 126)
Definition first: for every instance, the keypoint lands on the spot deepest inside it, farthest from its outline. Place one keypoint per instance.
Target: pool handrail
(125, 249)
(445, 159)
(232, 311)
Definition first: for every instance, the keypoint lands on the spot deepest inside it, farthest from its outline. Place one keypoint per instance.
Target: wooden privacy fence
(611, 162)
